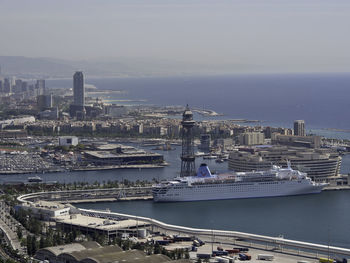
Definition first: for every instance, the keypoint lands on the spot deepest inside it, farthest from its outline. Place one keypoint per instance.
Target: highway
(8, 226)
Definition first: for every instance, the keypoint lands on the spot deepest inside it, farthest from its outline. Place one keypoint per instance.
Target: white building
(68, 141)
(46, 209)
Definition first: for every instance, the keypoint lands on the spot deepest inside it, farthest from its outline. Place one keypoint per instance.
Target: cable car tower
(187, 156)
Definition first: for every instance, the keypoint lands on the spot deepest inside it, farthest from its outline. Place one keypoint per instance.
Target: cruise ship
(206, 186)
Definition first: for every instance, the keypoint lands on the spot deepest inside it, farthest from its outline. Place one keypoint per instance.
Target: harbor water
(318, 218)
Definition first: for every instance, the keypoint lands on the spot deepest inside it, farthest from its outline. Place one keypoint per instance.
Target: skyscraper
(40, 87)
(7, 85)
(78, 89)
(299, 128)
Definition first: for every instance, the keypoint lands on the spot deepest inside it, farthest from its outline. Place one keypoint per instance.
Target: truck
(265, 257)
(203, 256)
(163, 242)
(244, 257)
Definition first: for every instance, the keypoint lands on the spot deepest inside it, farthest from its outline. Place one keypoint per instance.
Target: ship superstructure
(206, 186)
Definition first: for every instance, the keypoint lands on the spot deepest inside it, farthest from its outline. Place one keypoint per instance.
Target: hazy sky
(294, 34)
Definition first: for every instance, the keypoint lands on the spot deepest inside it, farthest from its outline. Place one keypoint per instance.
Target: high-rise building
(205, 140)
(44, 102)
(24, 86)
(40, 87)
(7, 85)
(17, 88)
(1, 85)
(299, 128)
(251, 138)
(78, 89)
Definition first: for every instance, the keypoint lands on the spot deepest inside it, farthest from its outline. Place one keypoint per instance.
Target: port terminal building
(320, 164)
(117, 154)
(107, 158)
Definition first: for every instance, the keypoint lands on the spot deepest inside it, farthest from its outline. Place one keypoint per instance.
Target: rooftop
(100, 223)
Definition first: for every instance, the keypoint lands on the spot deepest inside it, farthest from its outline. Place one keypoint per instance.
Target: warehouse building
(92, 252)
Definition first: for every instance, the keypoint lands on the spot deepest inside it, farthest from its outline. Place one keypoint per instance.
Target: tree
(19, 232)
(42, 242)
(157, 248)
(34, 245)
(29, 245)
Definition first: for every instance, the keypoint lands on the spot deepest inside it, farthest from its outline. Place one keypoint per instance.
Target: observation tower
(187, 155)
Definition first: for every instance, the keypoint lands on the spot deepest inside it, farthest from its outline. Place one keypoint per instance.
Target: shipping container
(233, 251)
(242, 249)
(326, 260)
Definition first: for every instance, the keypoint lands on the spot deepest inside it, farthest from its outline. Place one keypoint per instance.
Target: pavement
(278, 257)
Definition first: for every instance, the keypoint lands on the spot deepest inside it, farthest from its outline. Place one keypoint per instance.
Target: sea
(322, 100)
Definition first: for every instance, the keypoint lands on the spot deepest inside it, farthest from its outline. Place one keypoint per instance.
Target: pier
(90, 195)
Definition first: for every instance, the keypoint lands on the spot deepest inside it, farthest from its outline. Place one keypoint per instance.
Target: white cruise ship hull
(201, 192)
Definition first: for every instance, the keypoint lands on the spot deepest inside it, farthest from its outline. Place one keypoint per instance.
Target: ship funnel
(203, 171)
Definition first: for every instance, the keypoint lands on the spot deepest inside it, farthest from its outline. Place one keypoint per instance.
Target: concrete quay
(90, 195)
(126, 166)
(284, 246)
(136, 198)
(337, 188)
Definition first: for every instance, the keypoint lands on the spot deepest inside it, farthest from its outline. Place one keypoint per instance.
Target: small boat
(35, 179)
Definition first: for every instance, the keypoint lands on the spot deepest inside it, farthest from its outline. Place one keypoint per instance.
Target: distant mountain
(33, 67)
(27, 67)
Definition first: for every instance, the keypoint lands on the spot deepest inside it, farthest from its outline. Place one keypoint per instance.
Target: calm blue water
(313, 218)
(320, 99)
(169, 172)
